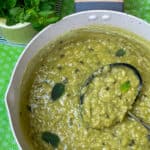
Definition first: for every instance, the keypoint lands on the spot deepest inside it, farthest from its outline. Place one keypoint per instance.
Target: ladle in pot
(87, 88)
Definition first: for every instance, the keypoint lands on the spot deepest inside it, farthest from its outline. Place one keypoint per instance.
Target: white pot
(78, 20)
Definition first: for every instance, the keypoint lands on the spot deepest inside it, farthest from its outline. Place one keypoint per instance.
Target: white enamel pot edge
(50, 33)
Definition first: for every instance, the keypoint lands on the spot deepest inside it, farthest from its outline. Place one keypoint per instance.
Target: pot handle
(81, 5)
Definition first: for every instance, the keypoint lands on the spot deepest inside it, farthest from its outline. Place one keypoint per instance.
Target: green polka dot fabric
(10, 53)
(8, 57)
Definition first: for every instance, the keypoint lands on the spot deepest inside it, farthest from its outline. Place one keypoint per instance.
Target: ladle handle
(139, 120)
(82, 5)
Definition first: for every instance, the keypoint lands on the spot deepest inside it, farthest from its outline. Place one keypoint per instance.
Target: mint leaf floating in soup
(120, 52)
(125, 86)
(51, 138)
(57, 91)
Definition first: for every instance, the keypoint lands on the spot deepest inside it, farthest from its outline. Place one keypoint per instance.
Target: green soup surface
(51, 113)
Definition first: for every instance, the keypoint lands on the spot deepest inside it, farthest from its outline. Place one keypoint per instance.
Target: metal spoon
(136, 72)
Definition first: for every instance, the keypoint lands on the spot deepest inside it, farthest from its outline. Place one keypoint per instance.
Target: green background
(10, 53)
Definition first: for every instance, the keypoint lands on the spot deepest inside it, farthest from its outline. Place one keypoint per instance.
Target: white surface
(16, 26)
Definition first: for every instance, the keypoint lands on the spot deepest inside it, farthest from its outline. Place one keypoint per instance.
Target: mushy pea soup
(82, 89)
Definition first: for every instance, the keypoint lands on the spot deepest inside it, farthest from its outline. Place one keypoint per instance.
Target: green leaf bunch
(39, 13)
